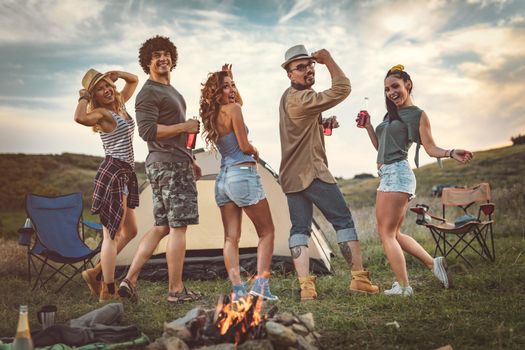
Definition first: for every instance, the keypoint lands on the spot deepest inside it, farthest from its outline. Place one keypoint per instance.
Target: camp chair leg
(487, 238)
(459, 253)
(452, 247)
(76, 271)
(68, 279)
(437, 238)
(40, 279)
(489, 230)
(39, 276)
(485, 249)
(55, 271)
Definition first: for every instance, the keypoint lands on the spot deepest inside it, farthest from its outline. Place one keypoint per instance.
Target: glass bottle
(192, 138)
(23, 339)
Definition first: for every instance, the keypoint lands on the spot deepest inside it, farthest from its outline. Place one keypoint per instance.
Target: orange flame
(237, 313)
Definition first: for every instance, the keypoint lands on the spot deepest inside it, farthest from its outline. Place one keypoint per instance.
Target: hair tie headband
(397, 67)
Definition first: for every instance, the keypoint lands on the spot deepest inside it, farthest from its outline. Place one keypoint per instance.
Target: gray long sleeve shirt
(155, 104)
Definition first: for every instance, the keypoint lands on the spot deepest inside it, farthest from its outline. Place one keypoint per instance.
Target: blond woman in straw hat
(101, 106)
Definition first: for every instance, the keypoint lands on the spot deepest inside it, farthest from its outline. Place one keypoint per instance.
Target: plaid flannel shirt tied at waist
(111, 177)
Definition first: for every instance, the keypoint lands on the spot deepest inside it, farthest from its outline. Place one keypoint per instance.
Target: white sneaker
(440, 270)
(398, 290)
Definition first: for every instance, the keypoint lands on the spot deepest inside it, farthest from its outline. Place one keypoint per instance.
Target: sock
(111, 287)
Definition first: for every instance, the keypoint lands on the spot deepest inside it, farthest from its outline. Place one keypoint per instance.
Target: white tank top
(119, 142)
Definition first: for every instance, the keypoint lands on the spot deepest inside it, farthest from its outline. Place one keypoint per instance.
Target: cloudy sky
(467, 60)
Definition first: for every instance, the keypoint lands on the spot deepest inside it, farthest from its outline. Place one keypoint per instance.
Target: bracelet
(83, 97)
(451, 154)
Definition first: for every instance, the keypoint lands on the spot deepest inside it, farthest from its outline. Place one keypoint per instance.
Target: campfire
(239, 320)
(243, 324)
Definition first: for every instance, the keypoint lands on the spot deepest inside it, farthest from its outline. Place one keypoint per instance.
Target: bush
(364, 176)
(518, 140)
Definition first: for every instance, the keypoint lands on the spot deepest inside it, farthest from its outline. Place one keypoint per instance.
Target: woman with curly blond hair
(238, 186)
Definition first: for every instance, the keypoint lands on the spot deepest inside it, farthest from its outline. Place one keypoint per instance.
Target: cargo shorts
(174, 193)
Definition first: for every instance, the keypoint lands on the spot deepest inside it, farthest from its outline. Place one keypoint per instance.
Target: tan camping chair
(465, 231)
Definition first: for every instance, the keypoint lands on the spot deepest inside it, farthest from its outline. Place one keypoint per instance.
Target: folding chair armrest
(418, 210)
(487, 209)
(93, 225)
(422, 211)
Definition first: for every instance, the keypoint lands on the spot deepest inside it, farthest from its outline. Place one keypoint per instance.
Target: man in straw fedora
(170, 167)
(304, 174)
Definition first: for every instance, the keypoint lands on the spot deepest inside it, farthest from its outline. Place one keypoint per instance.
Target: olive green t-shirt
(396, 137)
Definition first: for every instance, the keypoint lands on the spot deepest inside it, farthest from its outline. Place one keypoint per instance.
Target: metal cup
(46, 316)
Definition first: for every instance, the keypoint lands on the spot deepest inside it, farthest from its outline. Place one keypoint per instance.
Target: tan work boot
(361, 283)
(104, 294)
(90, 277)
(308, 288)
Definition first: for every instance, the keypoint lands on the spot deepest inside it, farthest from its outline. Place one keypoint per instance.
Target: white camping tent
(206, 239)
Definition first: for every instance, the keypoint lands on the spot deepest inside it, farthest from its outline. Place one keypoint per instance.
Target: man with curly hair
(170, 167)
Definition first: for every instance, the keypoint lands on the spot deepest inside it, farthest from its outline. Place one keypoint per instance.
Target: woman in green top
(403, 125)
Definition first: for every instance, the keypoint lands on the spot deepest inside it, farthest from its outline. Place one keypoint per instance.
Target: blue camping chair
(59, 241)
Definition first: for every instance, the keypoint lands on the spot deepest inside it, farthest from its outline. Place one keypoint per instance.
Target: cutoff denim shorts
(397, 177)
(240, 184)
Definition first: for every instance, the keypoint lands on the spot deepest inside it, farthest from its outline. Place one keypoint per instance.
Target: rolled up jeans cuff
(298, 239)
(346, 234)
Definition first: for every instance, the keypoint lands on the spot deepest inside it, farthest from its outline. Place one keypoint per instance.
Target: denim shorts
(397, 177)
(239, 184)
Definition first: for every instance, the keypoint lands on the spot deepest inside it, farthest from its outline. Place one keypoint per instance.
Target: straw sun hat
(92, 77)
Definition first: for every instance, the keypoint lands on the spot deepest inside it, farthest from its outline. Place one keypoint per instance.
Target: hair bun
(397, 67)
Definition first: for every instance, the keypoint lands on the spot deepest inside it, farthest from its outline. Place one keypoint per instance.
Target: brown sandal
(128, 290)
(185, 296)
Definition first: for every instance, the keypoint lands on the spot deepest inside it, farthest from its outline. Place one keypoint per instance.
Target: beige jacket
(303, 155)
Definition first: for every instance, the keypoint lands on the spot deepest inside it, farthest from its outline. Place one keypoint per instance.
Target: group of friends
(304, 176)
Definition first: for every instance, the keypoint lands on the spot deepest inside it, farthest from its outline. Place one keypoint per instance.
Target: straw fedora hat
(92, 77)
(294, 53)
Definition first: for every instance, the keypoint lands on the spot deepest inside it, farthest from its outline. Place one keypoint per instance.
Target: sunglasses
(303, 67)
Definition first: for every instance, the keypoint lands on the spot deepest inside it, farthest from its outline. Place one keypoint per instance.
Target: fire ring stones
(280, 334)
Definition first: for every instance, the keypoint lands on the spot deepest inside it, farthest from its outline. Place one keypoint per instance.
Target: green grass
(485, 310)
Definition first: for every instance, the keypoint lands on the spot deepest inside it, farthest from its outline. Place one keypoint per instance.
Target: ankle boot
(307, 288)
(361, 283)
(105, 295)
(90, 277)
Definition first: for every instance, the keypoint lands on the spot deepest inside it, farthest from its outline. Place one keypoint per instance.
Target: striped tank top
(119, 143)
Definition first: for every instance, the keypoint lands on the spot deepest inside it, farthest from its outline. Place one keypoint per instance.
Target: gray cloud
(466, 59)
